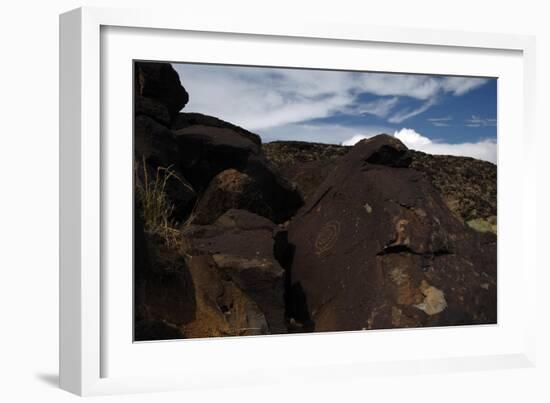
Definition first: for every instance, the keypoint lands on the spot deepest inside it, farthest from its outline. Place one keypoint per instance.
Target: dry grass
(157, 209)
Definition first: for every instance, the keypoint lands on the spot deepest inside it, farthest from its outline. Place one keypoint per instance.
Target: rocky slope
(468, 186)
(235, 237)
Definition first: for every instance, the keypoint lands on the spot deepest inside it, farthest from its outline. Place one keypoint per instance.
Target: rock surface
(148, 330)
(206, 151)
(467, 185)
(186, 119)
(159, 81)
(163, 284)
(238, 280)
(222, 280)
(155, 142)
(302, 163)
(153, 109)
(230, 189)
(158, 96)
(155, 151)
(376, 247)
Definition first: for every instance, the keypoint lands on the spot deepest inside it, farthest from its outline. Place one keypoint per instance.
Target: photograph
(281, 200)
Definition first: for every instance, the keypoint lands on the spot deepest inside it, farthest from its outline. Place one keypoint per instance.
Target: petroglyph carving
(327, 237)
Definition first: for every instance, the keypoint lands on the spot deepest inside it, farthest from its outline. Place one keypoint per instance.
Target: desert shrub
(483, 225)
(156, 207)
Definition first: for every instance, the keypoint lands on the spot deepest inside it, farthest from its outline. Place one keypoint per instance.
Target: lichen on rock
(434, 299)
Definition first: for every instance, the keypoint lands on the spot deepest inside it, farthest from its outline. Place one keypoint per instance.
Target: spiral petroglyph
(327, 237)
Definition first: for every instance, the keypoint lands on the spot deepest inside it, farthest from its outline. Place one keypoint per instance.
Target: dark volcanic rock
(159, 81)
(376, 247)
(305, 164)
(196, 154)
(142, 263)
(223, 281)
(163, 285)
(154, 142)
(155, 150)
(231, 189)
(206, 151)
(153, 109)
(186, 119)
(238, 281)
(223, 309)
(468, 186)
(147, 330)
(285, 153)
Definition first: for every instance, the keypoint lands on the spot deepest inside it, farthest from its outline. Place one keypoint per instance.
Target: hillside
(467, 185)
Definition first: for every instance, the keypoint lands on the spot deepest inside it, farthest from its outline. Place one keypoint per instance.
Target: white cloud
(410, 85)
(380, 107)
(411, 138)
(261, 98)
(441, 122)
(483, 150)
(354, 140)
(478, 121)
(461, 85)
(405, 114)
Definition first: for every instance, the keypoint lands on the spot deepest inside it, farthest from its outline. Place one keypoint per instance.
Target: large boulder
(168, 292)
(160, 82)
(231, 189)
(468, 186)
(154, 142)
(239, 282)
(148, 330)
(304, 164)
(186, 119)
(206, 151)
(152, 108)
(187, 292)
(142, 262)
(377, 247)
(163, 285)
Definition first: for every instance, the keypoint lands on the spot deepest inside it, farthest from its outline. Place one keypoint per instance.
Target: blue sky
(435, 114)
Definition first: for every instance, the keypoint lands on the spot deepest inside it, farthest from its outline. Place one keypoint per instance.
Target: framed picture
(241, 202)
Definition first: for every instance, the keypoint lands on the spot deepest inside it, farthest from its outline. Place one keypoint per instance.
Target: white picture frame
(88, 317)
